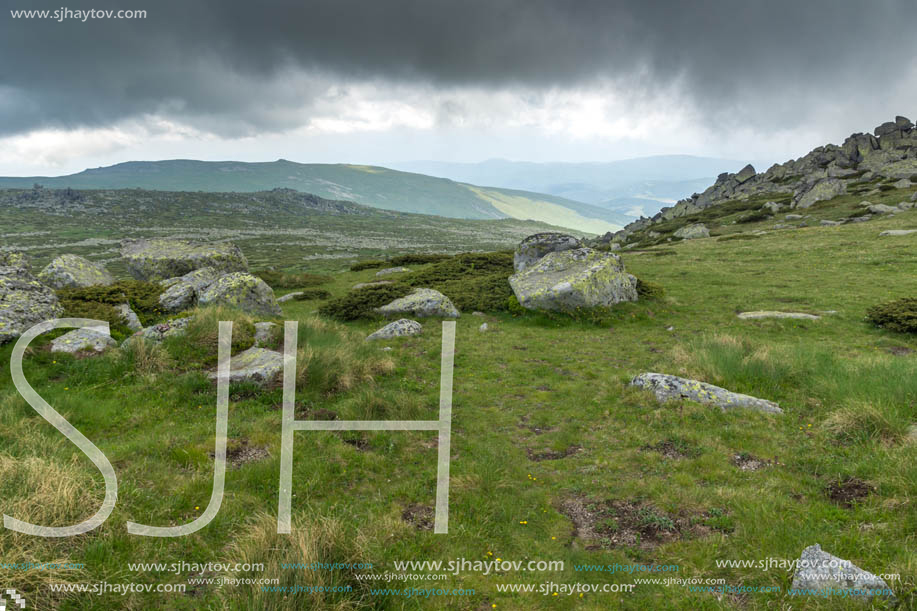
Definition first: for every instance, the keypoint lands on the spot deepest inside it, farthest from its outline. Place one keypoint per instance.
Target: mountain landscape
(368, 185)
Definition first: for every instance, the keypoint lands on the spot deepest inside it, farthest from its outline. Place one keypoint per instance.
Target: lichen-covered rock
(881, 209)
(907, 205)
(129, 317)
(400, 328)
(363, 285)
(156, 259)
(771, 314)
(536, 246)
(157, 333)
(83, 340)
(421, 303)
(692, 232)
(672, 388)
(829, 188)
(772, 207)
(572, 279)
(12, 258)
(73, 271)
(289, 297)
(264, 333)
(183, 293)
(818, 571)
(24, 302)
(745, 174)
(392, 270)
(897, 232)
(241, 291)
(255, 365)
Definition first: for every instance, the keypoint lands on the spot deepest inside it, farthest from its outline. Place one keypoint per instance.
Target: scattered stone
(881, 209)
(535, 247)
(183, 293)
(157, 333)
(692, 232)
(483, 328)
(827, 223)
(392, 270)
(907, 205)
(73, 271)
(421, 302)
(83, 340)
(400, 328)
(24, 301)
(772, 207)
(860, 219)
(264, 333)
(748, 462)
(478, 314)
(819, 571)
(829, 188)
(573, 279)
(793, 217)
(914, 197)
(904, 183)
(387, 349)
(897, 232)
(255, 365)
(669, 388)
(243, 291)
(771, 314)
(130, 318)
(782, 226)
(156, 259)
(363, 285)
(289, 297)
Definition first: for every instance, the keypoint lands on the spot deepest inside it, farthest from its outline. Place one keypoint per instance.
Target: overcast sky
(376, 81)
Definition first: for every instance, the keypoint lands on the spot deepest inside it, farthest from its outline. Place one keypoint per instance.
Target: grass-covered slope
(369, 185)
(553, 456)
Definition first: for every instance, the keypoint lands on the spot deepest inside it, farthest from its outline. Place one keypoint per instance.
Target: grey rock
(772, 314)
(745, 174)
(860, 219)
(914, 197)
(772, 207)
(183, 293)
(155, 259)
(483, 328)
(827, 223)
(24, 301)
(572, 279)
(363, 285)
(828, 188)
(903, 123)
(881, 209)
(129, 317)
(478, 313)
(793, 217)
(904, 183)
(73, 271)
(241, 291)
(421, 302)
(897, 232)
(671, 388)
(692, 232)
(11, 258)
(392, 270)
(289, 297)
(264, 333)
(536, 246)
(157, 333)
(403, 327)
(83, 340)
(255, 365)
(818, 571)
(907, 205)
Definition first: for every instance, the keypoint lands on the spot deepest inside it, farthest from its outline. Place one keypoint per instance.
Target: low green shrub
(418, 259)
(753, 217)
(311, 294)
(649, 290)
(371, 264)
(738, 236)
(472, 281)
(886, 187)
(99, 302)
(359, 303)
(284, 280)
(898, 315)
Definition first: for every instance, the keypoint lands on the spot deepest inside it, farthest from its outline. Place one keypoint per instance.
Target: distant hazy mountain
(373, 186)
(644, 184)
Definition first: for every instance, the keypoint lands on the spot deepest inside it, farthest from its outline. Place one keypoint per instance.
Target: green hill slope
(369, 185)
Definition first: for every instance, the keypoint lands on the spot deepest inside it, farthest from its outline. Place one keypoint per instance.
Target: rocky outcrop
(819, 571)
(241, 291)
(183, 293)
(572, 279)
(808, 195)
(255, 365)
(421, 303)
(24, 301)
(672, 388)
(86, 341)
(536, 246)
(156, 259)
(403, 327)
(693, 232)
(73, 271)
(14, 259)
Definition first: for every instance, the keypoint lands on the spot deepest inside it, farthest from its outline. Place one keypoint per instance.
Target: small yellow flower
(196, 507)
(494, 606)
(54, 362)
(490, 553)
(555, 594)
(553, 538)
(66, 388)
(498, 560)
(580, 594)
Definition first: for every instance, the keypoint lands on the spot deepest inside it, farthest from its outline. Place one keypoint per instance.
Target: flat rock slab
(896, 232)
(536, 246)
(403, 327)
(83, 340)
(256, 365)
(769, 314)
(818, 571)
(363, 285)
(671, 388)
(289, 297)
(73, 271)
(421, 302)
(392, 270)
(156, 259)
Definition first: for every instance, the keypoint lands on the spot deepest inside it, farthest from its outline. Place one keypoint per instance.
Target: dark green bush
(143, 298)
(418, 259)
(284, 280)
(311, 294)
(886, 187)
(898, 315)
(372, 264)
(649, 290)
(473, 281)
(913, 178)
(360, 303)
(753, 217)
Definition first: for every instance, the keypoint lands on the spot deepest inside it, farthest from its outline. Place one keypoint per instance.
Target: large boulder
(403, 327)
(73, 271)
(87, 341)
(11, 258)
(828, 188)
(156, 259)
(882, 209)
(672, 388)
(818, 572)
(242, 291)
(24, 301)
(572, 279)
(536, 246)
(692, 232)
(745, 174)
(421, 303)
(256, 365)
(182, 293)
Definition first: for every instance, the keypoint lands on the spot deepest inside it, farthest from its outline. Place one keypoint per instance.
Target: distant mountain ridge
(373, 186)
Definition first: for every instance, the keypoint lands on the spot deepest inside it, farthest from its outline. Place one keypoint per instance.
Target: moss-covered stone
(159, 259)
(421, 302)
(73, 271)
(24, 302)
(241, 291)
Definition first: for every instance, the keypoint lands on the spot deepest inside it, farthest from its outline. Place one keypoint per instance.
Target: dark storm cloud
(232, 66)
